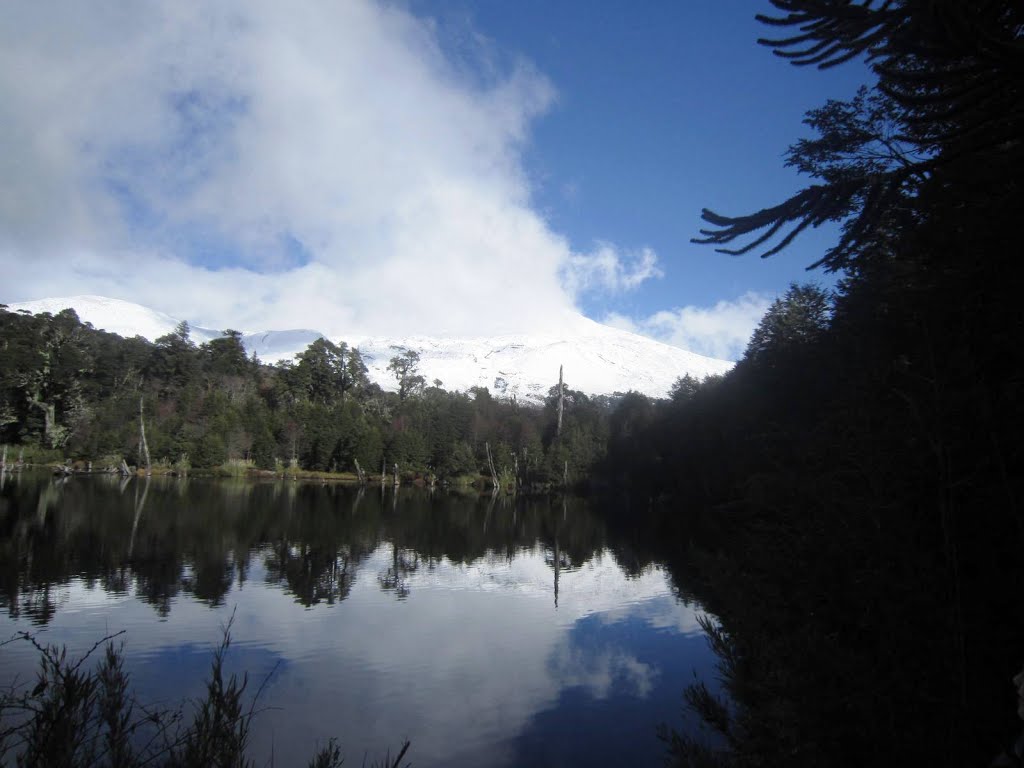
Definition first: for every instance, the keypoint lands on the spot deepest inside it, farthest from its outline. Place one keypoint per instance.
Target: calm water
(487, 632)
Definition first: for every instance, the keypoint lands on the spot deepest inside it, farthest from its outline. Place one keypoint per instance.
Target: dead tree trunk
(360, 473)
(3, 461)
(490, 466)
(143, 445)
(561, 402)
(396, 476)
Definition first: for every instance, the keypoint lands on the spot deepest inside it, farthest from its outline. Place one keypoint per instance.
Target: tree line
(847, 500)
(69, 391)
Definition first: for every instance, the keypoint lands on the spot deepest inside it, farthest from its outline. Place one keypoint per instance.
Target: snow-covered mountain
(597, 359)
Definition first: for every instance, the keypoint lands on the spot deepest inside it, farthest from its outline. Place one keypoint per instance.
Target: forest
(850, 493)
(845, 502)
(71, 393)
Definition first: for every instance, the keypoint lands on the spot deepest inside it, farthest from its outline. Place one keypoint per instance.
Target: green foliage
(405, 367)
(794, 322)
(209, 451)
(458, 461)
(225, 357)
(218, 408)
(237, 467)
(320, 375)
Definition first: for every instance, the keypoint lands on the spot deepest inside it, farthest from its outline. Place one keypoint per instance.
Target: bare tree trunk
(51, 425)
(341, 364)
(143, 445)
(3, 461)
(565, 475)
(397, 481)
(561, 402)
(490, 465)
(383, 472)
(359, 471)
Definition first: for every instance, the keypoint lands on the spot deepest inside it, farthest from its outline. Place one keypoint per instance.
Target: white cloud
(721, 331)
(261, 164)
(603, 672)
(607, 270)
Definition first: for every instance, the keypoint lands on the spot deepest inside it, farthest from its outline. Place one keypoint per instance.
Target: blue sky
(663, 108)
(434, 166)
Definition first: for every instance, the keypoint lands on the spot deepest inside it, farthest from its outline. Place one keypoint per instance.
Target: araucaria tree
(868, 448)
(944, 120)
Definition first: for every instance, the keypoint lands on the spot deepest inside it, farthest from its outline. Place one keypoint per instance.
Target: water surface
(487, 631)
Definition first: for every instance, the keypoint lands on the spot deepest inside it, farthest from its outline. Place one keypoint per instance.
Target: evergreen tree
(945, 111)
(405, 368)
(793, 321)
(226, 356)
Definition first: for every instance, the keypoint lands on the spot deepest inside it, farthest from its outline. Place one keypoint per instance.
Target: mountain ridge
(597, 359)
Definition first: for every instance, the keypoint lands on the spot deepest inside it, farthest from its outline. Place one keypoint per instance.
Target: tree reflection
(395, 579)
(313, 574)
(167, 537)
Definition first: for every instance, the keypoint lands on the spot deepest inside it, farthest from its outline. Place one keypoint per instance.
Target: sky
(435, 167)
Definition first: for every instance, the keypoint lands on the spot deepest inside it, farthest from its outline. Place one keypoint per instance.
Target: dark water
(489, 632)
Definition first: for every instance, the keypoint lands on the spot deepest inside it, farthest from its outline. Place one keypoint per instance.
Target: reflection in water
(467, 624)
(140, 504)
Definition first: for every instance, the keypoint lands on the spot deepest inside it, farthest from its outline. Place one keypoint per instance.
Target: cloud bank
(722, 330)
(268, 165)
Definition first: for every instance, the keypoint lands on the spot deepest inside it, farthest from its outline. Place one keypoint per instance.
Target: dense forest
(845, 502)
(71, 392)
(850, 493)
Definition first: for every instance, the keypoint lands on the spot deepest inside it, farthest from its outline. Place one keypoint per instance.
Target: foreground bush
(82, 716)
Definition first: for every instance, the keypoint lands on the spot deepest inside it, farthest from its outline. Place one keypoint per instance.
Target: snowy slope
(114, 315)
(597, 359)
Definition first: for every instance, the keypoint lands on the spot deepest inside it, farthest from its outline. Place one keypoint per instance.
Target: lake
(488, 631)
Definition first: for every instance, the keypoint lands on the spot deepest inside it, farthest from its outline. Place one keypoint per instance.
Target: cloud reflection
(474, 662)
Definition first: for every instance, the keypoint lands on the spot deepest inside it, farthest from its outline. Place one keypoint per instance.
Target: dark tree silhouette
(947, 103)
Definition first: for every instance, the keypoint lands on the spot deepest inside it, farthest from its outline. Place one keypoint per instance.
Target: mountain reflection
(161, 538)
